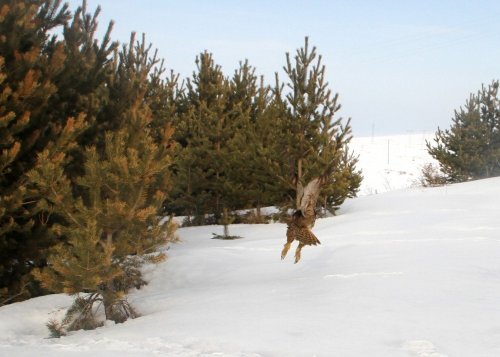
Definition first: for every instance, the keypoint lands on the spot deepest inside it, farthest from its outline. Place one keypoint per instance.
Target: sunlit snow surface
(391, 162)
(413, 272)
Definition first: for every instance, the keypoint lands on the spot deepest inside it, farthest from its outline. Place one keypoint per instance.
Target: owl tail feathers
(312, 239)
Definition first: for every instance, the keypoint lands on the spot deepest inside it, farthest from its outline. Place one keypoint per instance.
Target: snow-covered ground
(413, 272)
(391, 162)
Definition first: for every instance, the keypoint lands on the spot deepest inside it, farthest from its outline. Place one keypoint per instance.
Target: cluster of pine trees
(470, 148)
(245, 144)
(97, 142)
(84, 167)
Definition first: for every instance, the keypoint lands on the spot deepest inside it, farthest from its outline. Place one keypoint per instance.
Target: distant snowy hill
(413, 272)
(391, 162)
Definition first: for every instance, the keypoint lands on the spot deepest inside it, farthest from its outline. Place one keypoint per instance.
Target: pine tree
(112, 227)
(84, 81)
(204, 132)
(251, 182)
(165, 98)
(315, 143)
(343, 183)
(470, 148)
(29, 61)
(48, 79)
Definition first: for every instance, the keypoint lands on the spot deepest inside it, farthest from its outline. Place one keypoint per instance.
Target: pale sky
(399, 66)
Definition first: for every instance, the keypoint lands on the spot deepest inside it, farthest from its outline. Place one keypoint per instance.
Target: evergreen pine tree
(84, 81)
(112, 227)
(165, 98)
(204, 131)
(48, 79)
(315, 144)
(251, 182)
(29, 61)
(470, 148)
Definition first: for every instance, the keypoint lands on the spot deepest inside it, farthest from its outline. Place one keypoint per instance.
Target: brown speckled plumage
(299, 228)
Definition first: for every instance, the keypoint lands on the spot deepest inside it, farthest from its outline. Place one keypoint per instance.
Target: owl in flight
(299, 228)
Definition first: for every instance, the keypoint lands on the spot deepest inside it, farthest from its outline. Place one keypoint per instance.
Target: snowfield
(413, 272)
(391, 162)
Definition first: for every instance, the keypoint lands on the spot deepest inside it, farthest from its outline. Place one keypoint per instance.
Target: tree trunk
(225, 222)
(258, 214)
(109, 295)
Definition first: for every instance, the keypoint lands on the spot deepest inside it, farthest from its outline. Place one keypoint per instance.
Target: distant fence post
(388, 156)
